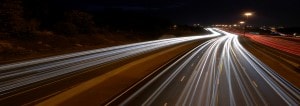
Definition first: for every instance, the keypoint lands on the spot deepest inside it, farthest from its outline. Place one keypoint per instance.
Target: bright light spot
(248, 14)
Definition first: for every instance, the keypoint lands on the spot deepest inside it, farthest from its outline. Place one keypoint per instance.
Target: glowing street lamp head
(248, 14)
(242, 22)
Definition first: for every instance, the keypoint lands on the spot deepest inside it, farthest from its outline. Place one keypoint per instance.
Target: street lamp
(243, 22)
(247, 14)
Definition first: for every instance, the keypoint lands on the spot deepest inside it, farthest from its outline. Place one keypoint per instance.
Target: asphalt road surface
(19, 78)
(217, 72)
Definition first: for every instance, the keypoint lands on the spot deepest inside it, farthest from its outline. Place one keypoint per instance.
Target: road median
(103, 88)
(284, 64)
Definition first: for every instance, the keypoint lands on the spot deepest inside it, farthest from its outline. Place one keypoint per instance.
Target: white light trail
(20, 74)
(218, 72)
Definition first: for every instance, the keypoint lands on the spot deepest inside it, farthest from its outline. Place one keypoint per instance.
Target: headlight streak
(200, 47)
(225, 74)
(72, 55)
(15, 75)
(273, 79)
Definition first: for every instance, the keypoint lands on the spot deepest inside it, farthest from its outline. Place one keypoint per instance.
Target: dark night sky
(267, 12)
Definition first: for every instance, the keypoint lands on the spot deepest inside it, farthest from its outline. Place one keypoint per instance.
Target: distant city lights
(226, 25)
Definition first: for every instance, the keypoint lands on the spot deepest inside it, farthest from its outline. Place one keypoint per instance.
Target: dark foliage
(11, 18)
(138, 24)
(66, 28)
(258, 30)
(82, 20)
(290, 30)
(24, 17)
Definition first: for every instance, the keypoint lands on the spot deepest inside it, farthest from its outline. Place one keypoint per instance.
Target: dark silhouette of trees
(66, 28)
(290, 30)
(22, 18)
(76, 22)
(136, 24)
(11, 17)
(82, 20)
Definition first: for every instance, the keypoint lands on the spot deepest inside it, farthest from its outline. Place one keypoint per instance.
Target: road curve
(18, 77)
(217, 72)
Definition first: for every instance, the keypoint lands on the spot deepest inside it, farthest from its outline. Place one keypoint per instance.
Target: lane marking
(182, 78)
(243, 68)
(221, 66)
(254, 84)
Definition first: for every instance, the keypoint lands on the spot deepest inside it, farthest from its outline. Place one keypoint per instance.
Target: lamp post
(243, 22)
(247, 14)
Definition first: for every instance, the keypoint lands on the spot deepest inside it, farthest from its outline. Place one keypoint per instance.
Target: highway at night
(218, 71)
(149, 53)
(20, 74)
